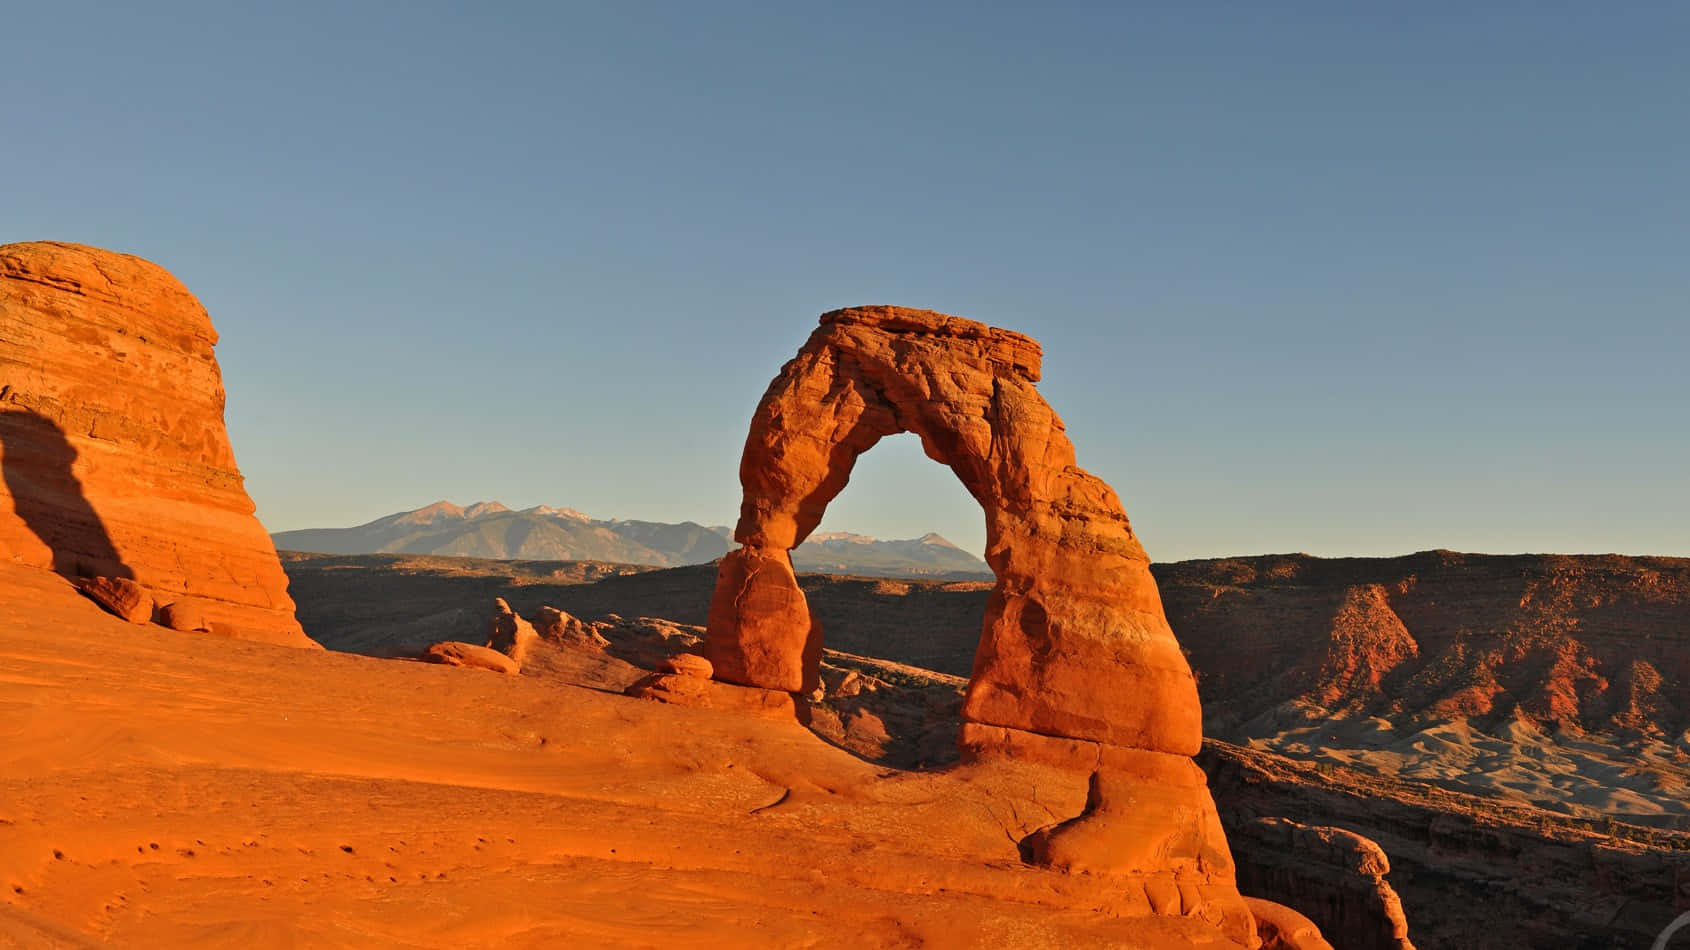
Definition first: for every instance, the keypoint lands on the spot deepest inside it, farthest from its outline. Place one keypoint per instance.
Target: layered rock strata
(1471, 874)
(1599, 643)
(116, 463)
(1334, 875)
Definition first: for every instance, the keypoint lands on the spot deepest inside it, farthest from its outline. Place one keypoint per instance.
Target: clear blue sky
(1339, 278)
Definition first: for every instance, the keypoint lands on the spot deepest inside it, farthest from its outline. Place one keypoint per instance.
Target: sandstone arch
(1075, 644)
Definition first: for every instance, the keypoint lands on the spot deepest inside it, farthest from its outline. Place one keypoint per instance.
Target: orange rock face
(115, 460)
(758, 600)
(1076, 666)
(1075, 643)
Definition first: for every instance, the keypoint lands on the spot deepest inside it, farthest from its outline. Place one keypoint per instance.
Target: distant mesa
(1567, 644)
(489, 529)
(116, 464)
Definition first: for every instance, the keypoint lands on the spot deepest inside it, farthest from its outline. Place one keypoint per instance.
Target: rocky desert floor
(1593, 776)
(169, 789)
(397, 604)
(1500, 832)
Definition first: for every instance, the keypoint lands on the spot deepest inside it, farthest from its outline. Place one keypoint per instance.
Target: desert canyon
(1089, 749)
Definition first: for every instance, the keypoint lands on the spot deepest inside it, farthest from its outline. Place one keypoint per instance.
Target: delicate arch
(1075, 643)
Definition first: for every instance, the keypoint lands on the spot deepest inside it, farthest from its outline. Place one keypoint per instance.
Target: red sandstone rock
(554, 624)
(687, 664)
(1334, 875)
(1599, 643)
(757, 597)
(1075, 642)
(1456, 860)
(119, 595)
(1282, 928)
(457, 653)
(185, 616)
(115, 459)
(688, 690)
(1138, 822)
(1076, 666)
(510, 634)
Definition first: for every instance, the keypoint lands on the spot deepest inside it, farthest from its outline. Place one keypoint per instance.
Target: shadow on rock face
(36, 460)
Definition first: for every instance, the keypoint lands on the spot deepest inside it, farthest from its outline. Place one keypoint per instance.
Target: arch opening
(898, 648)
(898, 495)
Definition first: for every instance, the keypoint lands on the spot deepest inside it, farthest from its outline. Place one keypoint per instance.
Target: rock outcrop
(558, 626)
(1076, 666)
(1282, 928)
(1333, 875)
(457, 653)
(1471, 874)
(116, 463)
(1597, 643)
(509, 633)
(684, 687)
(687, 664)
(118, 595)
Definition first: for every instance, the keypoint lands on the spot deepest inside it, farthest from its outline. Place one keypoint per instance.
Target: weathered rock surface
(769, 639)
(1130, 807)
(1282, 928)
(689, 690)
(1076, 665)
(401, 805)
(687, 664)
(554, 624)
(1334, 876)
(1599, 643)
(509, 633)
(455, 653)
(116, 463)
(1471, 875)
(1074, 643)
(1472, 871)
(183, 615)
(119, 595)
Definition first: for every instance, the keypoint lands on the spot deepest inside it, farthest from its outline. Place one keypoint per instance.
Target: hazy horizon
(1309, 278)
(728, 524)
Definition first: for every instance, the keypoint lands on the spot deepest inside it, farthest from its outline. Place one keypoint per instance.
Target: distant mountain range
(490, 530)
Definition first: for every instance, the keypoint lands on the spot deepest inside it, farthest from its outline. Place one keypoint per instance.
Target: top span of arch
(1007, 351)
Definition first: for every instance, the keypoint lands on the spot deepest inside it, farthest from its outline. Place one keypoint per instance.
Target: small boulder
(185, 616)
(120, 596)
(687, 664)
(560, 627)
(457, 653)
